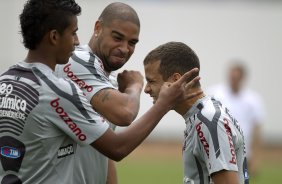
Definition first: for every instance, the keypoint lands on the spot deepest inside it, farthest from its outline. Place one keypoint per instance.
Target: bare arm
(256, 148)
(225, 177)
(112, 173)
(121, 106)
(117, 146)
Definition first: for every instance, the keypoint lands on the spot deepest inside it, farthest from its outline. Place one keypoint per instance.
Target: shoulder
(51, 83)
(83, 58)
(252, 97)
(83, 53)
(209, 107)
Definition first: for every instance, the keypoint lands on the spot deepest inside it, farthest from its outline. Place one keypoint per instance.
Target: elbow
(126, 118)
(118, 155)
(117, 159)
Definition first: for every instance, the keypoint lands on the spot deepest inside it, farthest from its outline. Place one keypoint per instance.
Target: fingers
(194, 94)
(184, 79)
(192, 83)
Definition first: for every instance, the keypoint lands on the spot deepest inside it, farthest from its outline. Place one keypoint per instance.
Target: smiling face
(154, 80)
(115, 42)
(67, 42)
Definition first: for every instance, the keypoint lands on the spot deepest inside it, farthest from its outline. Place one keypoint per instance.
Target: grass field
(162, 164)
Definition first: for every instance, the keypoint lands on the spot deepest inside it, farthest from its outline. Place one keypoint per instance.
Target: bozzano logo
(74, 78)
(65, 117)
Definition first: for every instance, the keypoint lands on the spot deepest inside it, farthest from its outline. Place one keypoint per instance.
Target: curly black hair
(40, 16)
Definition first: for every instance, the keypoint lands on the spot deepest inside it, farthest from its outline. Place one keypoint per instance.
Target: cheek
(131, 51)
(156, 89)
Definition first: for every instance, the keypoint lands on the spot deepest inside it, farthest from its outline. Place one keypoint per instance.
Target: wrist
(133, 88)
(163, 104)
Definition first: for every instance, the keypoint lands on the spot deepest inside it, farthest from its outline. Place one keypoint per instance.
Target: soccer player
(115, 36)
(44, 118)
(213, 149)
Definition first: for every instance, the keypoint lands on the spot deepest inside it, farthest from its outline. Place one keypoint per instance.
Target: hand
(128, 78)
(173, 93)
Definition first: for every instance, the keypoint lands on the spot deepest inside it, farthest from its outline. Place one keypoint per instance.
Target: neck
(94, 48)
(187, 104)
(91, 44)
(37, 56)
(235, 90)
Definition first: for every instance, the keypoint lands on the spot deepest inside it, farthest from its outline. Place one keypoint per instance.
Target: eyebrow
(120, 34)
(75, 30)
(148, 78)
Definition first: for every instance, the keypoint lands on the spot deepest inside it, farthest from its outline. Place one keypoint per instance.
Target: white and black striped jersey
(87, 71)
(213, 142)
(42, 121)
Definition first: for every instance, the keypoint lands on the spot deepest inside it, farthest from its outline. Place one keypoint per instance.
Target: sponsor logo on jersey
(65, 117)
(14, 106)
(10, 152)
(74, 78)
(203, 138)
(65, 151)
(231, 146)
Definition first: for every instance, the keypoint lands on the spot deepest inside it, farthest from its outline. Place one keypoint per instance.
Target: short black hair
(119, 11)
(40, 16)
(174, 57)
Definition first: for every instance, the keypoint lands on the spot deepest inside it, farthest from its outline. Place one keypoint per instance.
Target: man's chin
(114, 67)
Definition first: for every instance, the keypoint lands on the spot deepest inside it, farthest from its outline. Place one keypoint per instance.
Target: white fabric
(246, 106)
(213, 142)
(87, 71)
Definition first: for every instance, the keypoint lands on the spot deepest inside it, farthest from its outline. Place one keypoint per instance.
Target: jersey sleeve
(70, 111)
(216, 147)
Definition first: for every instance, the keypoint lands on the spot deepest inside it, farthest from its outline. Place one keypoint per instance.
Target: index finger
(186, 78)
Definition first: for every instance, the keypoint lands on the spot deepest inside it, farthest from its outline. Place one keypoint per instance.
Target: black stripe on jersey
(92, 58)
(88, 65)
(74, 99)
(245, 172)
(212, 125)
(10, 127)
(16, 105)
(19, 72)
(11, 121)
(200, 171)
(9, 131)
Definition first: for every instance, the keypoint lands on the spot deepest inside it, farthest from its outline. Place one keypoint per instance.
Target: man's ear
(54, 37)
(97, 28)
(175, 77)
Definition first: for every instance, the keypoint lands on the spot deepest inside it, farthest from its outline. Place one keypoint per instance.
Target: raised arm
(121, 106)
(118, 145)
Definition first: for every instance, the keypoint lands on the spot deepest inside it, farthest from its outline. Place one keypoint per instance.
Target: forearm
(119, 108)
(112, 173)
(141, 128)
(132, 102)
(225, 177)
(117, 146)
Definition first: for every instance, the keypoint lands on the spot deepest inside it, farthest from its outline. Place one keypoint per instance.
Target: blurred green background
(159, 163)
